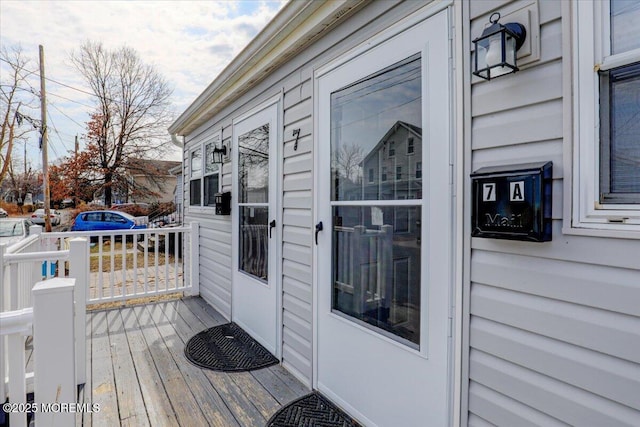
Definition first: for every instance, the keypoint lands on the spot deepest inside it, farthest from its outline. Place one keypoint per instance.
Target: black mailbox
(513, 202)
(223, 203)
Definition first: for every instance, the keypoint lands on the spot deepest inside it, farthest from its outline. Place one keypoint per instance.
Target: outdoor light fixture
(219, 153)
(496, 48)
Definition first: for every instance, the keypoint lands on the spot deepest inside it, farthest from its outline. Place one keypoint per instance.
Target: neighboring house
(393, 168)
(151, 181)
(370, 288)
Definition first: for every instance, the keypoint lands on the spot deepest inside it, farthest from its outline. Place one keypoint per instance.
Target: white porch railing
(123, 265)
(117, 266)
(51, 322)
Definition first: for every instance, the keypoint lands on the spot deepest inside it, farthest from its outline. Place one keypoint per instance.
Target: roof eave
(296, 26)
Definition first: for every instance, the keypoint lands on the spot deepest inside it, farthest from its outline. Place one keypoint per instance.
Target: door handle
(271, 225)
(318, 229)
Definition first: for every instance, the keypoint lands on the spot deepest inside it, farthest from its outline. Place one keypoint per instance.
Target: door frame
(457, 151)
(274, 101)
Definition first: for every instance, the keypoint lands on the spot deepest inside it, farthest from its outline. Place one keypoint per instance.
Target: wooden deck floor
(138, 374)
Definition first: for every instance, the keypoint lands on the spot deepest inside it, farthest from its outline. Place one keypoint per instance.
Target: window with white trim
(204, 175)
(606, 163)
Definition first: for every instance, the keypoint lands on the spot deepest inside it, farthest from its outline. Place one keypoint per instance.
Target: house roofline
(392, 129)
(296, 26)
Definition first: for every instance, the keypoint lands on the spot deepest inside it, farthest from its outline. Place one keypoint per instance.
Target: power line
(71, 100)
(65, 114)
(57, 82)
(55, 129)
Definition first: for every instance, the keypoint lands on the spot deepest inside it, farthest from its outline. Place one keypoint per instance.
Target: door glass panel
(376, 267)
(376, 257)
(373, 123)
(254, 241)
(625, 25)
(253, 172)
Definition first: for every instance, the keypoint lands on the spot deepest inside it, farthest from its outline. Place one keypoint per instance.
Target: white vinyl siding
(297, 225)
(553, 328)
(294, 82)
(215, 237)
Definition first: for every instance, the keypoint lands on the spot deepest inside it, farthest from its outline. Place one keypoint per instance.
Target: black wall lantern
(219, 153)
(496, 48)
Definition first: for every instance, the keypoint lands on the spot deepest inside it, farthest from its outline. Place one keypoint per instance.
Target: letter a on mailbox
(516, 191)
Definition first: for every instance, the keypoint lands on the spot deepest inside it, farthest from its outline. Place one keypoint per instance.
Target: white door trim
(452, 249)
(275, 210)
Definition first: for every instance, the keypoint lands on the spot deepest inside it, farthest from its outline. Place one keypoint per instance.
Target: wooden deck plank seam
(153, 374)
(184, 333)
(142, 312)
(245, 407)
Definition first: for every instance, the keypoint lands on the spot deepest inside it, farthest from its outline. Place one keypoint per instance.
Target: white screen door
(255, 233)
(383, 256)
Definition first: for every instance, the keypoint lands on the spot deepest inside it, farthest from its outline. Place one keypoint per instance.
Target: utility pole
(45, 151)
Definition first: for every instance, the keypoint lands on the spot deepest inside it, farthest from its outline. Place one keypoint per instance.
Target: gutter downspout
(175, 141)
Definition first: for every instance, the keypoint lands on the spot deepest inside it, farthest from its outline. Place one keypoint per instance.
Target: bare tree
(132, 112)
(346, 161)
(13, 94)
(23, 183)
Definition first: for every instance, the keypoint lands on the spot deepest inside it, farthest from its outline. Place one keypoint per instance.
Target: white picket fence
(149, 262)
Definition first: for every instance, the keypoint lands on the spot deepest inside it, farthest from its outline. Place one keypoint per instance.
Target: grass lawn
(115, 250)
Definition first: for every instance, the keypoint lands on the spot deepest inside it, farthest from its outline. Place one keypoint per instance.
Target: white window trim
(590, 35)
(201, 146)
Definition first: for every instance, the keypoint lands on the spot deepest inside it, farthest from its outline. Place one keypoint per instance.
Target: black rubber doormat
(227, 348)
(312, 410)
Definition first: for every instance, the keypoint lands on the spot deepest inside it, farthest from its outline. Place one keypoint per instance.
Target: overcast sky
(189, 43)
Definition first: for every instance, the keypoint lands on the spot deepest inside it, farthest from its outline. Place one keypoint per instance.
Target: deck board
(159, 409)
(212, 406)
(183, 401)
(138, 373)
(234, 399)
(103, 389)
(132, 410)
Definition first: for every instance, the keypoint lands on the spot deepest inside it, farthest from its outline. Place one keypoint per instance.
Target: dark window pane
(194, 192)
(254, 241)
(371, 123)
(253, 166)
(211, 187)
(95, 216)
(376, 270)
(620, 137)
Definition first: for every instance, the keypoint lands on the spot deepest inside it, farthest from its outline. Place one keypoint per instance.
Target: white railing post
(194, 258)
(15, 325)
(54, 349)
(17, 381)
(4, 293)
(36, 272)
(79, 270)
(4, 289)
(3, 368)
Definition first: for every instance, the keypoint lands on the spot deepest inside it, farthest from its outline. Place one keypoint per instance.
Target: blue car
(107, 220)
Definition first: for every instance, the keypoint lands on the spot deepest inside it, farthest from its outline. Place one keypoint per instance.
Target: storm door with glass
(383, 256)
(255, 228)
